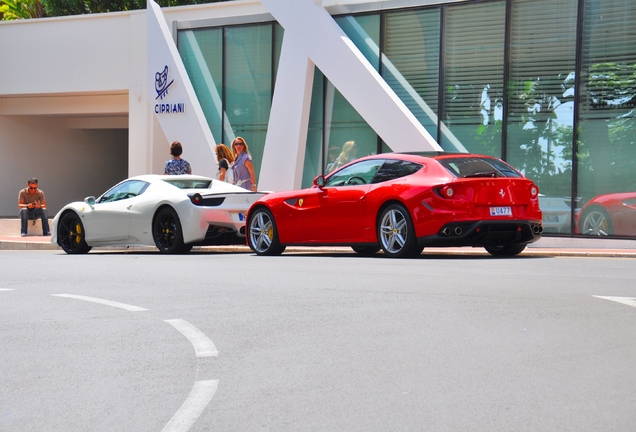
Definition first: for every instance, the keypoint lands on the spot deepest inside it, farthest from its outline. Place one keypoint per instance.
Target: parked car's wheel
(70, 234)
(167, 232)
(507, 250)
(596, 222)
(263, 234)
(396, 232)
(366, 250)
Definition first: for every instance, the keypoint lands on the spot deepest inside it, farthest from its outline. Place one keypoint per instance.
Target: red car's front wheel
(263, 233)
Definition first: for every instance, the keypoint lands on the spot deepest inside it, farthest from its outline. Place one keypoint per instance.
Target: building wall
(78, 54)
(80, 84)
(64, 159)
(64, 107)
(562, 82)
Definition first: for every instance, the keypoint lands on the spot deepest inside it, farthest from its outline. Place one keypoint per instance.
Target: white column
(286, 139)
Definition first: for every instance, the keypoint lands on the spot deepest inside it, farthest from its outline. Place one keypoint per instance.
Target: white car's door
(109, 220)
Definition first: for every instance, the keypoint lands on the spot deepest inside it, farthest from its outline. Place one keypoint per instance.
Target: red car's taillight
(534, 191)
(446, 191)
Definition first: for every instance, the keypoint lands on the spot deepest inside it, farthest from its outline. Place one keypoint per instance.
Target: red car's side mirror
(319, 181)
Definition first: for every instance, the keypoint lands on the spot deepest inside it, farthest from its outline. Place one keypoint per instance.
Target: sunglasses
(32, 188)
(239, 144)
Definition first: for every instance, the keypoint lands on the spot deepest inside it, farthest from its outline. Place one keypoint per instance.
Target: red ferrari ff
(401, 203)
(610, 214)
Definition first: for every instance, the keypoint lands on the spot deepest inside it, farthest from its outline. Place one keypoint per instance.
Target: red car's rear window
(478, 167)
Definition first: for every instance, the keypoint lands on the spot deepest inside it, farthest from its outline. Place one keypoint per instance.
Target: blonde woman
(348, 153)
(242, 168)
(225, 158)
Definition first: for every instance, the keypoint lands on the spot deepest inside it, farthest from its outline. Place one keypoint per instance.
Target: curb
(35, 243)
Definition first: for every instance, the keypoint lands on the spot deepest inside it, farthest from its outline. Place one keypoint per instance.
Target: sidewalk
(547, 246)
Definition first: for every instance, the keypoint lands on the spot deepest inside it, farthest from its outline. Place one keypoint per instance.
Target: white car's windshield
(125, 190)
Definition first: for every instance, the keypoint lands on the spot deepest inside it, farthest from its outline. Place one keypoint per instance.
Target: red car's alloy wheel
(263, 235)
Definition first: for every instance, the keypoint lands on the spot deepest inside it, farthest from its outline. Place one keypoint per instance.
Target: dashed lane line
(629, 301)
(203, 346)
(7, 289)
(130, 308)
(191, 410)
(202, 391)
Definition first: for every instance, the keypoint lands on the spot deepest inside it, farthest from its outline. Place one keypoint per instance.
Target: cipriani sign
(162, 86)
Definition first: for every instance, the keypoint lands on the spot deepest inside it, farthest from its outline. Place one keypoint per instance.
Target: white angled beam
(318, 37)
(189, 127)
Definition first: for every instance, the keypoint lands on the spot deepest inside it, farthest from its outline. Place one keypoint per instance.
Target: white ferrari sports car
(170, 212)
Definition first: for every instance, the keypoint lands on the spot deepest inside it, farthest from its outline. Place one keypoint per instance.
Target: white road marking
(203, 346)
(191, 410)
(629, 301)
(114, 304)
(7, 289)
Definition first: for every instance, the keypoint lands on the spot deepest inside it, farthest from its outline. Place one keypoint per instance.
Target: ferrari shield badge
(300, 202)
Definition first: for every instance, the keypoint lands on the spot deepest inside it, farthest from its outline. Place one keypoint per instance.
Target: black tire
(71, 236)
(167, 232)
(366, 250)
(508, 250)
(396, 233)
(595, 221)
(262, 236)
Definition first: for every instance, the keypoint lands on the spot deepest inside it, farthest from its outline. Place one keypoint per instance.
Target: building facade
(548, 85)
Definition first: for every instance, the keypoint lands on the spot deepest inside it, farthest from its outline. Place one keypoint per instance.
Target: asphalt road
(315, 342)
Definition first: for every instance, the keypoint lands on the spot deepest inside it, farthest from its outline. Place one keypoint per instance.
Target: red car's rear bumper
(484, 233)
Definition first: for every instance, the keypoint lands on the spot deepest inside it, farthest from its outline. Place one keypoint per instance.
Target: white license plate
(500, 211)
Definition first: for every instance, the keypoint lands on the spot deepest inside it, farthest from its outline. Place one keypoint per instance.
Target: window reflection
(473, 58)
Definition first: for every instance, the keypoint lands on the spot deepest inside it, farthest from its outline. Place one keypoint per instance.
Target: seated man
(32, 205)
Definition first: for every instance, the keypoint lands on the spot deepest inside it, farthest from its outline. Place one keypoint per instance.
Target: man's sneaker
(47, 234)
(22, 234)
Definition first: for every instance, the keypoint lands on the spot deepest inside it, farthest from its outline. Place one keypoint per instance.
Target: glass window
(607, 126)
(541, 96)
(364, 32)
(125, 190)
(473, 56)
(410, 64)
(248, 86)
(202, 54)
(357, 174)
(395, 168)
(478, 167)
(342, 122)
(313, 151)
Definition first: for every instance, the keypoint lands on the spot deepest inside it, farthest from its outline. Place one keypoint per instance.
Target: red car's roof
(418, 156)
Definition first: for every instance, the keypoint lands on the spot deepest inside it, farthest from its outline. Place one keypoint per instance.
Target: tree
(24, 9)
(20, 9)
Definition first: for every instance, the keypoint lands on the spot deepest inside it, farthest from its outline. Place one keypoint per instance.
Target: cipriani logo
(161, 83)
(161, 86)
